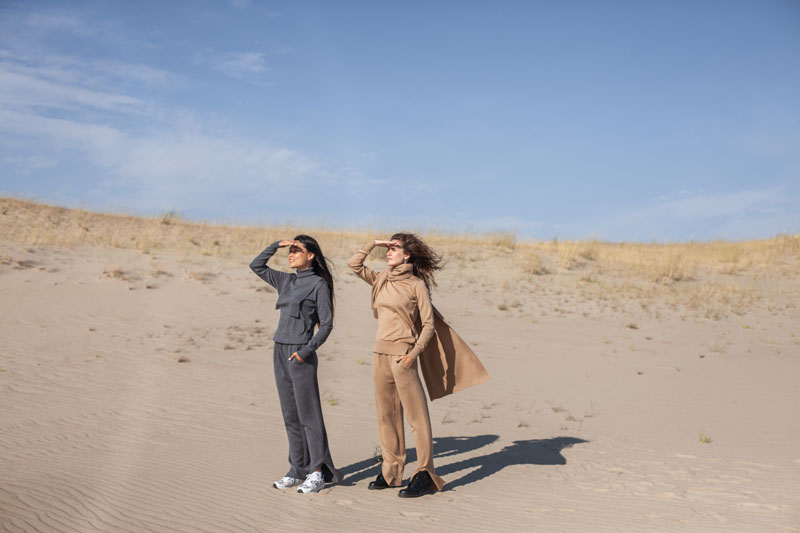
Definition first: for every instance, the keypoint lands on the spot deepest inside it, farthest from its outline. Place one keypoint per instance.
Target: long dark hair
(423, 259)
(319, 264)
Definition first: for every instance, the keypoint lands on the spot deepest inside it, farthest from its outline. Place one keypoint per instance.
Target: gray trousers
(298, 391)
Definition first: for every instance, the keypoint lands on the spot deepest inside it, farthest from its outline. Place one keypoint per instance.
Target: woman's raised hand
(285, 243)
(385, 244)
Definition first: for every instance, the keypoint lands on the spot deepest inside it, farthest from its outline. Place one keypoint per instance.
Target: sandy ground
(136, 394)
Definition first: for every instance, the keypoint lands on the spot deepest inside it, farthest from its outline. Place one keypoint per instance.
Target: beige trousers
(398, 390)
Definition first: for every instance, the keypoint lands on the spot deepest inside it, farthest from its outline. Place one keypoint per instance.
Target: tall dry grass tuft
(30, 223)
(37, 224)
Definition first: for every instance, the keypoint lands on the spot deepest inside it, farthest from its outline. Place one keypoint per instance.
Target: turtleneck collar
(400, 270)
(397, 273)
(305, 273)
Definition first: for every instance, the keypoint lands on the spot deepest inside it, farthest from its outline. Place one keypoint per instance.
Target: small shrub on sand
(118, 273)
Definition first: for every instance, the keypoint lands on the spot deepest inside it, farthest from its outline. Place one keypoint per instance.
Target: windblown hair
(423, 259)
(319, 264)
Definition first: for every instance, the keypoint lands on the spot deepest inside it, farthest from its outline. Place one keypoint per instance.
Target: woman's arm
(356, 263)
(426, 318)
(325, 314)
(276, 278)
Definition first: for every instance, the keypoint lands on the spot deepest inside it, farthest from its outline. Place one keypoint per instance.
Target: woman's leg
(309, 412)
(298, 448)
(415, 406)
(390, 420)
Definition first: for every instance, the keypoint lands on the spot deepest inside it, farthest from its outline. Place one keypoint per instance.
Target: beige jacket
(448, 364)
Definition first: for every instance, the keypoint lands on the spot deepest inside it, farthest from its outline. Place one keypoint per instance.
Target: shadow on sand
(521, 452)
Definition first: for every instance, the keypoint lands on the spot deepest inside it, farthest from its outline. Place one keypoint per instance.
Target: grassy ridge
(36, 224)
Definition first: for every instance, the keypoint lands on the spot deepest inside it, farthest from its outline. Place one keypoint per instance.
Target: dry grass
(118, 273)
(330, 399)
(36, 224)
(709, 280)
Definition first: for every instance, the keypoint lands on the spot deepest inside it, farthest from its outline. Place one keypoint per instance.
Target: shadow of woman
(521, 452)
(442, 447)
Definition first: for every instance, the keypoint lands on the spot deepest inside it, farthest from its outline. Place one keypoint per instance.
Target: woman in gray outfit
(305, 300)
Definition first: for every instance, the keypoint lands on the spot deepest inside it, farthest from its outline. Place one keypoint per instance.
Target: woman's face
(396, 255)
(299, 257)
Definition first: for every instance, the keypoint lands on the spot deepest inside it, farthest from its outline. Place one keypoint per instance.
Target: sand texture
(136, 391)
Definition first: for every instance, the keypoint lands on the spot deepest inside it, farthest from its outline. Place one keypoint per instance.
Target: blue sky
(621, 120)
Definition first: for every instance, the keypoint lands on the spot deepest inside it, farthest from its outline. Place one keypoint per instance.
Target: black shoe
(379, 483)
(421, 484)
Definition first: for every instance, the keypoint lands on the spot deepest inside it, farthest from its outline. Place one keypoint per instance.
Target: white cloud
(714, 205)
(22, 87)
(55, 108)
(752, 213)
(58, 82)
(238, 64)
(134, 73)
(28, 163)
(172, 159)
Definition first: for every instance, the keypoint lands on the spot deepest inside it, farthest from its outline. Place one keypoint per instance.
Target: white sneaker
(286, 482)
(313, 483)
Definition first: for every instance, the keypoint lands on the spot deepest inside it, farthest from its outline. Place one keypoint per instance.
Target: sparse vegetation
(331, 399)
(202, 277)
(118, 273)
(709, 280)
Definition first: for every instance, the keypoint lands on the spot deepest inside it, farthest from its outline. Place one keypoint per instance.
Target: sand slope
(592, 420)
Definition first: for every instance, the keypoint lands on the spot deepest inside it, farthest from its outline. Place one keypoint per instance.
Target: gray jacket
(304, 300)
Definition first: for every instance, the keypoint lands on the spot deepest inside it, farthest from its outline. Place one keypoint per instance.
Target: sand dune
(137, 394)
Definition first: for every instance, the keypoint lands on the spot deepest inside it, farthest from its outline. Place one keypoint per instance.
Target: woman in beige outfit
(401, 303)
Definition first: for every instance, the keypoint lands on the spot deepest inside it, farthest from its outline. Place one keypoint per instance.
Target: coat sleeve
(356, 264)
(276, 278)
(325, 313)
(425, 318)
